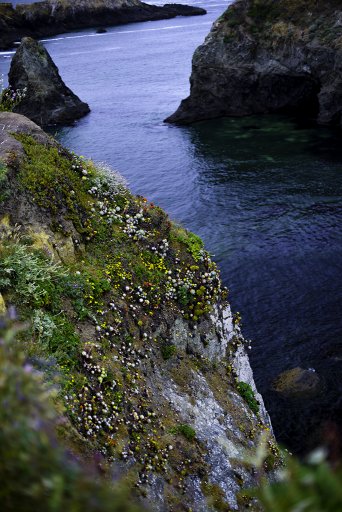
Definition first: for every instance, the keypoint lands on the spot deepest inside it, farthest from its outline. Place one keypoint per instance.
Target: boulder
(47, 100)
(263, 57)
(297, 382)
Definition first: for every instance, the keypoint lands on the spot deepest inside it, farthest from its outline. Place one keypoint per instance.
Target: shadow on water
(270, 211)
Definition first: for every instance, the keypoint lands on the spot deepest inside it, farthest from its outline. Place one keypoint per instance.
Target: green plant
(35, 472)
(29, 272)
(168, 351)
(188, 432)
(312, 486)
(4, 184)
(247, 394)
(10, 98)
(193, 242)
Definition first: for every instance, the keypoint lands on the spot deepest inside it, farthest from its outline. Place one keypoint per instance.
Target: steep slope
(51, 17)
(263, 56)
(127, 310)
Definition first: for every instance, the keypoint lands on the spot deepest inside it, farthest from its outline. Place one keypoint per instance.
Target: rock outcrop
(154, 372)
(265, 56)
(51, 17)
(47, 100)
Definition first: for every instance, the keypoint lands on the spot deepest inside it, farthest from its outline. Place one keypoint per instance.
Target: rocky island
(263, 56)
(51, 17)
(127, 316)
(47, 100)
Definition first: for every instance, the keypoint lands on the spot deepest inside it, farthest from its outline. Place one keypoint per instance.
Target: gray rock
(47, 99)
(262, 58)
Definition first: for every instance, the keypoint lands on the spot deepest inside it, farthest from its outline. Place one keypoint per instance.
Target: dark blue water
(263, 192)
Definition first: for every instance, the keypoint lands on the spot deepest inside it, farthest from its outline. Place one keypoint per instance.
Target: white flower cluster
(132, 228)
(161, 249)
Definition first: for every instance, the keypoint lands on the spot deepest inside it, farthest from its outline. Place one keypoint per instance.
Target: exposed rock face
(52, 17)
(268, 56)
(47, 99)
(159, 385)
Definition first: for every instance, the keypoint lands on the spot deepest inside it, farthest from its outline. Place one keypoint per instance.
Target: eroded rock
(47, 99)
(269, 57)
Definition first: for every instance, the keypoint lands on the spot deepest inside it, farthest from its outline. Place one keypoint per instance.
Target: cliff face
(263, 56)
(128, 310)
(52, 17)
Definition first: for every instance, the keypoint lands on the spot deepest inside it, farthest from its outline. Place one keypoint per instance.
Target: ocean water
(263, 192)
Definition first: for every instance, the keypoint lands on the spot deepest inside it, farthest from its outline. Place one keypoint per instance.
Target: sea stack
(47, 100)
(267, 56)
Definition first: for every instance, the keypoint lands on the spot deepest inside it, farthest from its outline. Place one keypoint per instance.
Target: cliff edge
(263, 56)
(128, 310)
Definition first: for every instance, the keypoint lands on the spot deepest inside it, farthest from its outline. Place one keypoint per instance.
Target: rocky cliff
(51, 17)
(126, 310)
(264, 56)
(47, 100)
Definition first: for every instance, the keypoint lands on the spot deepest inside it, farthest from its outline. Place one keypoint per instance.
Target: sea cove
(263, 192)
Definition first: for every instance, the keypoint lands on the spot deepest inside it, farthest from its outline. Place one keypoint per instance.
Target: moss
(247, 394)
(188, 432)
(168, 351)
(215, 496)
(4, 183)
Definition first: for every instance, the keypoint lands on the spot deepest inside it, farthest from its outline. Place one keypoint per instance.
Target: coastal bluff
(126, 313)
(51, 17)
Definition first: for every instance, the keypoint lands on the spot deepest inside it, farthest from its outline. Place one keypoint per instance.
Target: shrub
(4, 184)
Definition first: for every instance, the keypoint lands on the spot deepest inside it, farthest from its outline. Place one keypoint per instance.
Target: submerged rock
(51, 17)
(47, 99)
(267, 56)
(297, 382)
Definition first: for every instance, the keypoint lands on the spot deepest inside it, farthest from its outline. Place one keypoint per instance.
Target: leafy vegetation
(188, 432)
(309, 486)
(168, 351)
(36, 473)
(4, 184)
(9, 98)
(247, 394)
